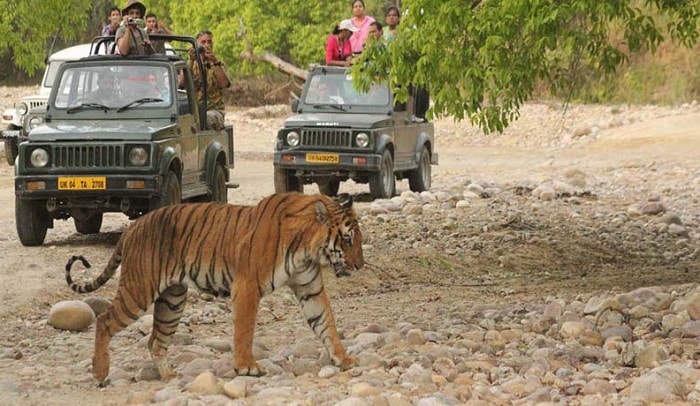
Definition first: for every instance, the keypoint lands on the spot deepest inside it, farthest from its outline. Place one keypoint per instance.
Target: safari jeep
(28, 112)
(339, 134)
(119, 136)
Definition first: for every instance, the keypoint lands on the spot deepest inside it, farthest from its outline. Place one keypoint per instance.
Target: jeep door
(405, 135)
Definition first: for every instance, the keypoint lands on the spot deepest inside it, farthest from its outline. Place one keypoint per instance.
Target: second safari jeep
(338, 134)
(120, 136)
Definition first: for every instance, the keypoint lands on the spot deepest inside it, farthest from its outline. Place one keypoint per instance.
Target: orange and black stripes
(242, 251)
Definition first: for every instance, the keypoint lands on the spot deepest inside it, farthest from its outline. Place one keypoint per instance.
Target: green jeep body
(338, 134)
(143, 148)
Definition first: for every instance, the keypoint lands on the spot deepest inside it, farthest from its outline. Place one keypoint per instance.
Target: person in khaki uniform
(216, 77)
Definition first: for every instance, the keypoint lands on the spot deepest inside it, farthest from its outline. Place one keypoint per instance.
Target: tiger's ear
(322, 213)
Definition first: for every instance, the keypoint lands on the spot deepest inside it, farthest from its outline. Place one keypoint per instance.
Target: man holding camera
(130, 37)
(216, 77)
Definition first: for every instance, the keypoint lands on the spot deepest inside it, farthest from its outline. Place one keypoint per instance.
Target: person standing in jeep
(132, 39)
(214, 74)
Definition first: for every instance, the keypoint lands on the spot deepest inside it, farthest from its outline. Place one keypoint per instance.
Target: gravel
(556, 266)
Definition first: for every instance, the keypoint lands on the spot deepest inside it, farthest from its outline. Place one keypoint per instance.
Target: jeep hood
(338, 119)
(103, 130)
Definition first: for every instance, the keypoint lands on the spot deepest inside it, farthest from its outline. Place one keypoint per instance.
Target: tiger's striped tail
(96, 283)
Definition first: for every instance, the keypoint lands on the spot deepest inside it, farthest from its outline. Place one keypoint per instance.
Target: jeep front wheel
(32, 220)
(286, 182)
(89, 225)
(419, 179)
(382, 185)
(170, 192)
(11, 150)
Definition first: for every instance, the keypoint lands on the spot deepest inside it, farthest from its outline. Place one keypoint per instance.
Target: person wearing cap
(132, 39)
(338, 49)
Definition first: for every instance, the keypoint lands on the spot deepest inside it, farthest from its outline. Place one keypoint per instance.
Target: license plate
(323, 158)
(10, 133)
(86, 183)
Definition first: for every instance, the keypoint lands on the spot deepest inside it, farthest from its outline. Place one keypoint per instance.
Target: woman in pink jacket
(361, 21)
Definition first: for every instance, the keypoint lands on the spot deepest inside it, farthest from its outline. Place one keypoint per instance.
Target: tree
(294, 30)
(29, 28)
(481, 60)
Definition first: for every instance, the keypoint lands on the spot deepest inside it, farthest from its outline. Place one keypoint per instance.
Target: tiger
(244, 252)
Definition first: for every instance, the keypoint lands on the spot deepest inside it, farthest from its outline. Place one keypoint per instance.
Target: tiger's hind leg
(317, 311)
(166, 317)
(120, 315)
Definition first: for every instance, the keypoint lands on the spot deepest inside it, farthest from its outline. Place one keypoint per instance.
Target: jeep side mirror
(295, 105)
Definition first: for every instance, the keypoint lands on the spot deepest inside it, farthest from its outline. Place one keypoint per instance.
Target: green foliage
(483, 62)
(28, 28)
(294, 30)
(480, 59)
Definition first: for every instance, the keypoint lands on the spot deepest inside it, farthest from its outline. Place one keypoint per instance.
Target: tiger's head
(344, 243)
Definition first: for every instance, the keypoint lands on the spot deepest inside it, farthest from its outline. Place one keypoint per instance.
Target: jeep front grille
(36, 103)
(90, 156)
(326, 137)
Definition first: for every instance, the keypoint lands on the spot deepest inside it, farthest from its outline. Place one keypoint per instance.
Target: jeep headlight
(39, 158)
(22, 108)
(138, 156)
(35, 121)
(362, 140)
(293, 138)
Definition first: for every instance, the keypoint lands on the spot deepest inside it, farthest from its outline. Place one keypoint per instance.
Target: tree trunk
(281, 64)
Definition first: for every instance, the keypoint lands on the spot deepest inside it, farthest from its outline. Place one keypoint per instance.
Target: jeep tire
(382, 185)
(419, 179)
(32, 220)
(219, 192)
(286, 182)
(11, 150)
(170, 192)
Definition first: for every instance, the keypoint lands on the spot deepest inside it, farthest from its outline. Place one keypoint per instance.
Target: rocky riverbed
(553, 264)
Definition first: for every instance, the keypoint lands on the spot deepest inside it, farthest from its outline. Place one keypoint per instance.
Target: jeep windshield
(335, 91)
(100, 87)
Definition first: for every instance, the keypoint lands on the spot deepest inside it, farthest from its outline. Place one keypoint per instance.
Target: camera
(135, 21)
(200, 49)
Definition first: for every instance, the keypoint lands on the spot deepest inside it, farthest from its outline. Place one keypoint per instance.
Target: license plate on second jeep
(82, 183)
(10, 134)
(323, 158)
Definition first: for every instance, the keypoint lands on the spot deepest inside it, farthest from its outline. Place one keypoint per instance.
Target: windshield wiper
(138, 102)
(326, 106)
(88, 106)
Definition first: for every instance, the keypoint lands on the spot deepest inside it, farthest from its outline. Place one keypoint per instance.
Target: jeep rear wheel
(382, 185)
(219, 193)
(170, 192)
(32, 220)
(286, 182)
(419, 179)
(329, 187)
(90, 225)
(11, 150)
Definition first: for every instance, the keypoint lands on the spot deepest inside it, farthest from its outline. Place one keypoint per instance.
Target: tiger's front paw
(345, 362)
(251, 369)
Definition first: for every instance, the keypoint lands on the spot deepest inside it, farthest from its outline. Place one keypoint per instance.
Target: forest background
(589, 36)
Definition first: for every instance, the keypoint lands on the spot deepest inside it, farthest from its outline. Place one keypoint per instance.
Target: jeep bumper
(79, 187)
(327, 163)
(10, 133)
